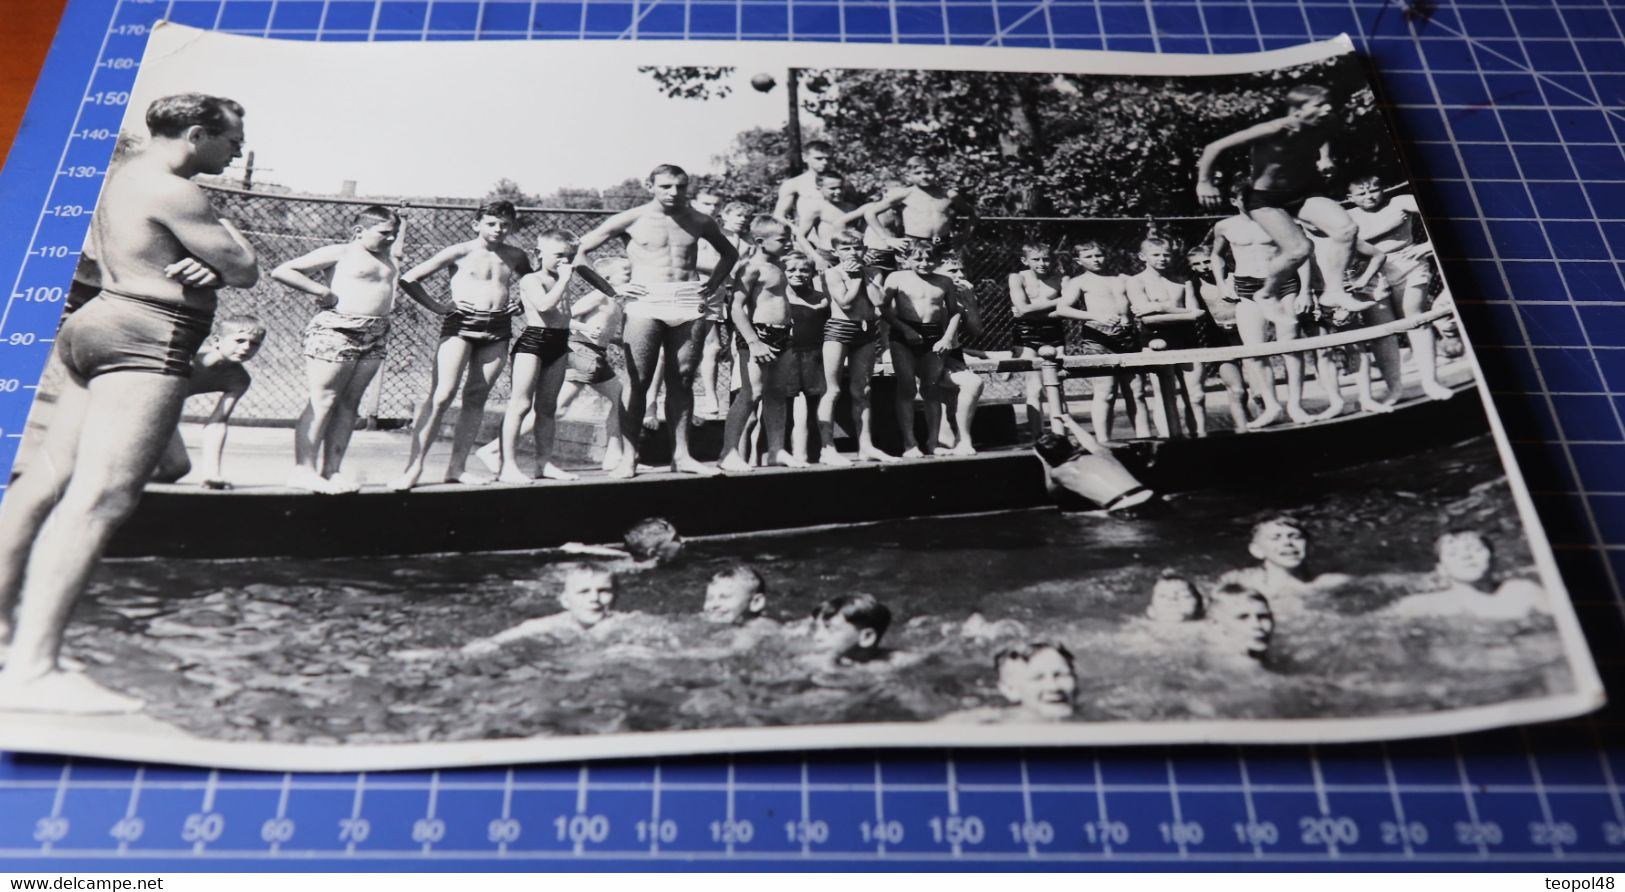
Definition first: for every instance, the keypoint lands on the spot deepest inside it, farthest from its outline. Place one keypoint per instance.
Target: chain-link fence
(283, 226)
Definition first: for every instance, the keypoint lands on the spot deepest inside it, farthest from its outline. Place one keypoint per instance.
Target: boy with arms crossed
(761, 316)
(1166, 306)
(344, 343)
(1035, 292)
(473, 337)
(217, 368)
(539, 358)
(1108, 327)
(851, 336)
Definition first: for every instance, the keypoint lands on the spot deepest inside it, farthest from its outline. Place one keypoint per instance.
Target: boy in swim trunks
(473, 338)
(732, 219)
(1165, 304)
(918, 307)
(1391, 226)
(801, 368)
(540, 357)
(959, 386)
(217, 368)
(1217, 328)
(851, 336)
(596, 325)
(344, 342)
(878, 252)
(1100, 302)
(1035, 292)
(761, 317)
(1260, 313)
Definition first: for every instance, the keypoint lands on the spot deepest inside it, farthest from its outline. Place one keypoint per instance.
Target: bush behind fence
(282, 227)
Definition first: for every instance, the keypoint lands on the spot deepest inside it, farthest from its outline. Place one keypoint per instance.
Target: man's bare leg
(614, 441)
(642, 340)
(928, 371)
(651, 401)
(1330, 384)
(1235, 390)
(1253, 326)
(775, 413)
(521, 401)
(175, 463)
(450, 358)
(1413, 303)
(1386, 352)
(683, 359)
(484, 367)
(735, 452)
(1196, 395)
(30, 498)
(902, 361)
(860, 370)
(834, 354)
(342, 426)
(1034, 396)
(710, 368)
(134, 414)
(1101, 390)
(1292, 249)
(1332, 252)
(550, 380)
(324, 384)
(969, 386)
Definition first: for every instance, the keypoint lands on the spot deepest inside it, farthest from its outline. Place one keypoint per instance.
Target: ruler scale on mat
(1526, 197)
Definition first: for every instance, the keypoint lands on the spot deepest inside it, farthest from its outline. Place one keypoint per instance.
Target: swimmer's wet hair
(171, 115)
(653, 538)
(764, 225)
(742, 572)
(584, 568)
(1024, 653)
(501, 208)
(562, 237)
(1055, 449)
(668, 170)
(242, 323)
(1438, 544)
(1280, 520)
(862, 611)
(374, 213)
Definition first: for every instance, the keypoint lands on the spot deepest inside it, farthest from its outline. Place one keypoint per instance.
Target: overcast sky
(445, 119)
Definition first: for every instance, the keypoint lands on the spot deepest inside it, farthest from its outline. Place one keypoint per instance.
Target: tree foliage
(691, 81)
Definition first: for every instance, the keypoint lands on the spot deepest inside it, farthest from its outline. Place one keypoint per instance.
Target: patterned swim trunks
(345, 337)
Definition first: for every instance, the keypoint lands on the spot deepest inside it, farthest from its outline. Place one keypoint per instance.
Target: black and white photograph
(432, 404)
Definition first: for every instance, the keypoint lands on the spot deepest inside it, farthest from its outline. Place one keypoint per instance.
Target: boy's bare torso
(706, 256)
(841, 286)
(482, 273)
(1387, 228)
(922, 298)
(1162, 294)
(927, 216)
(1102, 295)
(768, 298)
(129, 240)
(1036, 289)
(533, 286)
(827, 216)
(364, 282)
(1249, 244)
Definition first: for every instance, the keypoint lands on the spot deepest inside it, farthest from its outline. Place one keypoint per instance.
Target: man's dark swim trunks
(546, 344)
(1247, 287)
(846, 331)
(127, 333)
(774, 336)
(480, 327)
(1289, 200)
(930, 334)
(1040, 331)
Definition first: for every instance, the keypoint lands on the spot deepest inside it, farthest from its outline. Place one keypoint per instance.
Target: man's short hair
(374, 213)
(764, 225)
(862, 611)
(242, 322)
(1024, 653)
(732, 207)
(562, 237)
(1307, 93)
(668, 170)
(742, 572)
(171, 115)
(818, 145)
(1087, 244)
(1279, 520)
(832, 174)
(653, 538)
(501, 208)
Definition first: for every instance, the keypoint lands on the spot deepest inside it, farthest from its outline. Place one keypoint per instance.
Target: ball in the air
(763, 82)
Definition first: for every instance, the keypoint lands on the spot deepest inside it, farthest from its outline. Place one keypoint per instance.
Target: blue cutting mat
(1512, 114)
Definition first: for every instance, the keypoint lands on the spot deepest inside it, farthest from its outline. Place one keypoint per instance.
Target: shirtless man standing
(160, 252)
(672, 312)
(797, 192)
(1284, 185)
(930, 213)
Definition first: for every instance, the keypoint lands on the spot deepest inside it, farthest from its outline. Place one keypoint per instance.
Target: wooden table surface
(26, 29)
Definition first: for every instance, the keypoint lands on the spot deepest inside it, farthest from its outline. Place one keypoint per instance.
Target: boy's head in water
(1243, 619)
(1038, 677)
(588, 594)
(1279, 541)
(655, 540)
(1465, 556)
(735, 594)
(850, 627)
(1174, 599)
